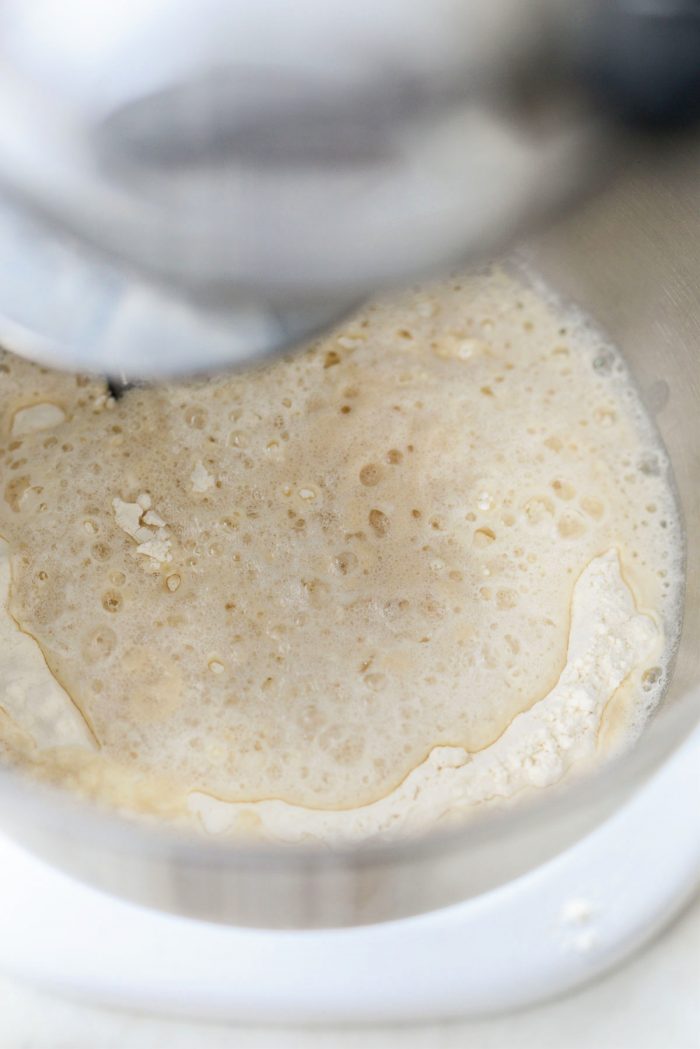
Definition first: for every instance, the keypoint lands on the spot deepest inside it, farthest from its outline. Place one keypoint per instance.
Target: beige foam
(356, 555)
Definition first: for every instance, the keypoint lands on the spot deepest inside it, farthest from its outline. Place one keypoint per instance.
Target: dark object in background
(118, 387)
(644, 61)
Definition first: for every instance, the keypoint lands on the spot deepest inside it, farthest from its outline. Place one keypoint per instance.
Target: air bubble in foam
(370, 475)
(483, 537)
(112, 601)
(379, 522)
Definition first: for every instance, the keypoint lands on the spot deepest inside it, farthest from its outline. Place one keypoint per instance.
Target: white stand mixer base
(543, 934)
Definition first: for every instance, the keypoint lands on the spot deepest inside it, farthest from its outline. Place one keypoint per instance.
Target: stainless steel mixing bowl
(632, 260)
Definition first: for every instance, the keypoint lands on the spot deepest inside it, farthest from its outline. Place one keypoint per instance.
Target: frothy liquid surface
(295, 584)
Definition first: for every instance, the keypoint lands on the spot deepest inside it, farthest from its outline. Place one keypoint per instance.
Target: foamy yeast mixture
(430, 563)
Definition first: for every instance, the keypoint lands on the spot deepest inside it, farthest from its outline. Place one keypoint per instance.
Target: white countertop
(653, 1002)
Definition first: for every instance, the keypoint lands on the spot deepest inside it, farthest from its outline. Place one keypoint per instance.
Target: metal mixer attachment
(192, 186)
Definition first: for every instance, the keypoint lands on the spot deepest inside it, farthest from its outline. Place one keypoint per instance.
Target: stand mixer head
(186, 187)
